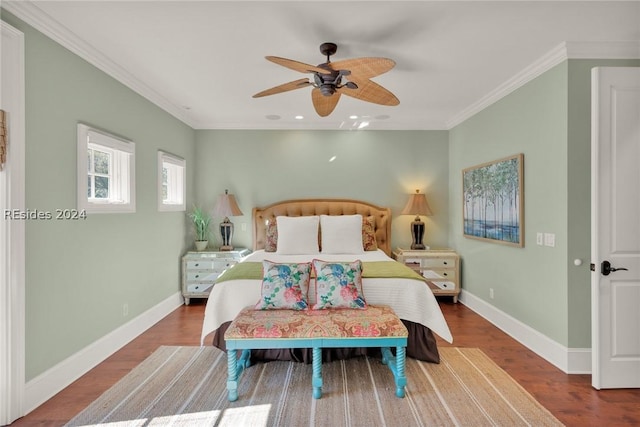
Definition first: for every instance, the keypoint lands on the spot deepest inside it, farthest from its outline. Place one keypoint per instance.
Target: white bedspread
(411, 299)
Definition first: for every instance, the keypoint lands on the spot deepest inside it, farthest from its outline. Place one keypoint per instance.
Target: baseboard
(569, 360)
(46, 385)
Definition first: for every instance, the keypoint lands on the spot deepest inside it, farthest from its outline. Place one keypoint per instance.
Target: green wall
(380, 167)
(529, 283)
(79, 274)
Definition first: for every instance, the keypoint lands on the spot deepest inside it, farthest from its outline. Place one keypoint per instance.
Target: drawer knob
(445, 263)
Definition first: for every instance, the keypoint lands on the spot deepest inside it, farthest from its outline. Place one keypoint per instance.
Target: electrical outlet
(125, 309)
(491, 293)
(539, 239)
(243, 226)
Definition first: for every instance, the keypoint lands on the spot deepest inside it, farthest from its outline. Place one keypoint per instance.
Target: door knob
(605, 268)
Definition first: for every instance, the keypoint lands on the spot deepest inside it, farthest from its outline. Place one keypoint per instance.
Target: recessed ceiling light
(353, 117)
(332, 159)
(383, 117)
(273, 117)
(299, 117)
(363, 125)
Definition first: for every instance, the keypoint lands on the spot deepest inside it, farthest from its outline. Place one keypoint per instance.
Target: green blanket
(377, 269)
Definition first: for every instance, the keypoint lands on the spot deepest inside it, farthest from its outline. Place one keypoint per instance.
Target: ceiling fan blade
(364, 68)
(296, 84)
(324, 105)
(296, 65)
(371, 92)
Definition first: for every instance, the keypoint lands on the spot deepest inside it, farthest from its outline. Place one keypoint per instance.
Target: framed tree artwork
(493, 201)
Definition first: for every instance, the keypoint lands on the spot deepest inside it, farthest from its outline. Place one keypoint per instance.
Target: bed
(409, 296)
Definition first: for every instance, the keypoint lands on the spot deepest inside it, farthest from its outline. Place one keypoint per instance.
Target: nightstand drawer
(200, 264)
(204, 275)
(438, 263)
(446, 274)
(199, 287)
(217, 264)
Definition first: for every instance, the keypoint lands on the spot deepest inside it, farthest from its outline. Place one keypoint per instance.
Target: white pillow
(297, 235)
(341, 234)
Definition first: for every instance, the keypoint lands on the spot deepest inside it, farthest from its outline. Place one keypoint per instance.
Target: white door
(615, 223)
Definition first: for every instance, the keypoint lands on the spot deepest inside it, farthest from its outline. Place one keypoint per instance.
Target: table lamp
(226, 206)
(417, 205)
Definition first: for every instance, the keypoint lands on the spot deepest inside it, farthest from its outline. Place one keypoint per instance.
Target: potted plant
(201, 221)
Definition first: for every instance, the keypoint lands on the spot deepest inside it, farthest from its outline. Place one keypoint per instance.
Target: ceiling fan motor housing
(327, 83)
(332, 80)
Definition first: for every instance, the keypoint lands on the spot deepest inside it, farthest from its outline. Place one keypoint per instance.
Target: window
(171, 182)
(106, 172)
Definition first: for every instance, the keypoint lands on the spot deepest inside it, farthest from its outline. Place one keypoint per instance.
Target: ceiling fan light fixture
(327, 89)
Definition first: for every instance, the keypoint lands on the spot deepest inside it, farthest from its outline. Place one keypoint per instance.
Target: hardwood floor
(569, 397)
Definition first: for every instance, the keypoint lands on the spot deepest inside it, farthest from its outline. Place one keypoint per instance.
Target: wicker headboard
(307, 207)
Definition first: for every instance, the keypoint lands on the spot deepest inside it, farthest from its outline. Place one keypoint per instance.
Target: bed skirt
(421, 345)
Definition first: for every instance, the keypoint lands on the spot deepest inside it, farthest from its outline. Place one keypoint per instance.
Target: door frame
(12, 253)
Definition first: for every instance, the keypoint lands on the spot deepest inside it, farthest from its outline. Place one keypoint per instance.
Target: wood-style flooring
(569, 397)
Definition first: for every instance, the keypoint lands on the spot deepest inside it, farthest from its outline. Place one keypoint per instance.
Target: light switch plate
(549, 239)
(539, 239)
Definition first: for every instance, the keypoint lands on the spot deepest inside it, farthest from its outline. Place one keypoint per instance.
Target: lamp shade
(226, 205)
(417, 205)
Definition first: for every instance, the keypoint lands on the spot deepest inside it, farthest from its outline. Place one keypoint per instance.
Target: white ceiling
(203, 60)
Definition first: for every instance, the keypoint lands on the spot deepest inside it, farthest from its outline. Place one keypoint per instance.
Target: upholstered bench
(375, 326)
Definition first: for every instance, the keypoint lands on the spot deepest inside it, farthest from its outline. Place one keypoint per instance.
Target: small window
(106, 172)
(171, 182)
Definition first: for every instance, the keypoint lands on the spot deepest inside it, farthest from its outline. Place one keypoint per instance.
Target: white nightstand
(440, 266)
(201, 269)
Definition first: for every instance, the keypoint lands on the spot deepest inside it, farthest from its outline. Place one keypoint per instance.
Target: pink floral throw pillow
(284, 286)
(338, 285)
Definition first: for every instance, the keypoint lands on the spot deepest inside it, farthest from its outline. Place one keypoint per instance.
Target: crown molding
(562, 52)
(35, 17)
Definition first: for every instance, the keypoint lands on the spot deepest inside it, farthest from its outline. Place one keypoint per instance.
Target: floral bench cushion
(373, 322)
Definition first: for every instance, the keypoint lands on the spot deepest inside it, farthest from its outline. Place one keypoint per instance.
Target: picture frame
(493, 201)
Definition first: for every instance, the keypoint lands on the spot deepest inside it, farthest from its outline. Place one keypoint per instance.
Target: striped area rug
(186, 386)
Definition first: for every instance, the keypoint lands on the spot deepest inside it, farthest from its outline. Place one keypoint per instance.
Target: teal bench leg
(235, 368)
(396, 365)
(401, 379)
(316, 380)
(232, 375)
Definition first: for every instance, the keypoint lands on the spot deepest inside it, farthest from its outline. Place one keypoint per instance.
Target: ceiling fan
(349, 77)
